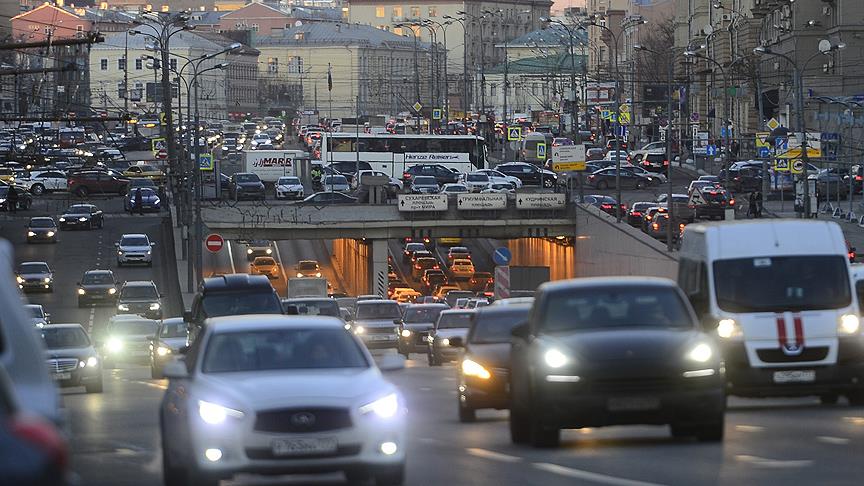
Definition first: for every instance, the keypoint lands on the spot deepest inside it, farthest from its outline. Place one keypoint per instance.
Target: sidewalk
(182, 265)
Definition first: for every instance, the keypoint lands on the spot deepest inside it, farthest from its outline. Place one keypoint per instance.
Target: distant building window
(300, 36)
(379, 12)
(295, 65)
(273, 65)
(277, 31)
(493, 90)
(139, 64)
(397, 11)
(79, 28)
(121, 64)
(173, 63)
(103, 64)
(415, 12)
(165, 8)
(254, 27)
(433, 11)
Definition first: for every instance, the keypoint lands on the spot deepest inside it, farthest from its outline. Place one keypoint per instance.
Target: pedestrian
(12, 200)
(759, 200)
(751, 207)
(139, 201)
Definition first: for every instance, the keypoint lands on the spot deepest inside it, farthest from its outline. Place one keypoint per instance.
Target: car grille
(380, 330)
(817, 353)
(501, 374)
(301, 420)
(420, 337)
(62, 365)
(632, 384)
(263, 453)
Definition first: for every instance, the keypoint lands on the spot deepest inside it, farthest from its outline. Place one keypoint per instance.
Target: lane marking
(749, 428)
(231, 257)
(90, 320)
(589, 476)
(773, 463)
(425, 388)
(491, 455)
(854, 420)
(833, 440)
(150, 384)
(281, 263)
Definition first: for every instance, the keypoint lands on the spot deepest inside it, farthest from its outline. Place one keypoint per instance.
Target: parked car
(289, 188)
(329, 197)
(25, 199)
(529, 174)
(424, 185)
(442, 174)
(607, 178)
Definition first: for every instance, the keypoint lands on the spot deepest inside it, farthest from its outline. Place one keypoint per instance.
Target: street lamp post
(725, 128)
(465, 97)
(446, 107)
(416, 71)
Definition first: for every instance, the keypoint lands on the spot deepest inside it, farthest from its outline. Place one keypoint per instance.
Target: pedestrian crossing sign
(605, 114)
(436, 114)
(514, 134)
(541, 150)
(205, 162)
(163, 120)
(781, 165)
(625, 118)
(158, 144)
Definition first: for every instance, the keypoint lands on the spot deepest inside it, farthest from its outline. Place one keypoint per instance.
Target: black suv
(245, 185)
(442, 174)
(529, 174)
(231, 295)
(140, 297)
(614, 351)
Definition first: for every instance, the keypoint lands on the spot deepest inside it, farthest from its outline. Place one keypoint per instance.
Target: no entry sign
(214, 243)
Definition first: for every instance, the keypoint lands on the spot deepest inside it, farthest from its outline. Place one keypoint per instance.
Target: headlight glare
(50, 234)
(405, 333)
(849, 324)
(31, 234)
(81, 292)
(163, 351)
(154, 306)
(701, 353)
(112, 291)
(215, 414)
(475, 369)
(555, 358)
(114, 345)
(19, 279)
(92, 361)
(82, 219)
(728, 328)
(385, 407)
(123, 307)
(359, 330)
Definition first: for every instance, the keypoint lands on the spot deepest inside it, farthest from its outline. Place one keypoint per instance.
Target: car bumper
(289, 195)
(573, 405)
(379, 341)
(134, 258)
(445, 353)
(41, 237)
(97, 297)
(131, 353)
(493, 393)
(250, 195)
(148, 313)
(36, 286)
(74, 224)
(78, 377)
(251, 451)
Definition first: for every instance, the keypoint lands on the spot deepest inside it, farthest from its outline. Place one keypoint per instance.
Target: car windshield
(285, 181)
(78, 210)
(779, 284)
(282, 349)
(425, 181)
(134, 241)
(36, 310)
(415, 247)
(495, 326)
(98, 278)
(454, 320)
(386, 310)
(422, 314)
(65, 337)
(139, 292)
(457, 189)
(319, 307)
(134, 327)
(264, 261)
(614, 307)
(34, 268)
(237, 303)
(174, 329)
(335, 179)
(246, 178)
(307, 266)
(42, 223)
(478, 178)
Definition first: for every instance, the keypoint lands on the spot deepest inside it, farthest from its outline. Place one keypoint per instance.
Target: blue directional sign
(782, 143)
(711, 150)
(541, 150)
(205, 162)
(502, 256)
(723, 132)
(764, 151)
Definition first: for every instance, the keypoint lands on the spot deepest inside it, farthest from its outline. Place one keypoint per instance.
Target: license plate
(380, 338)
(299, 447)
(62, 376)
(795, 376)
(632, 404)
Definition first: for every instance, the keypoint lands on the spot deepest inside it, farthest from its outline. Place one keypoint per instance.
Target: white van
(780, 297)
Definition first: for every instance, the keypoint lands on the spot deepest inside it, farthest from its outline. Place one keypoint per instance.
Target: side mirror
(392, 362)
(175, 370)
(116, 245)
(152, 243)
(292, 310)
(457, 342)
(521, 331)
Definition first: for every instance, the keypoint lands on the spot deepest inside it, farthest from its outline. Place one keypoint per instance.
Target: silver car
(451, 323)
(336, 183)
(38, 316)
(35, 276)
(377, 322)
(134, 249)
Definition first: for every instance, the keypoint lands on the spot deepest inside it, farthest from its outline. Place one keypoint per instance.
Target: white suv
(134, 248)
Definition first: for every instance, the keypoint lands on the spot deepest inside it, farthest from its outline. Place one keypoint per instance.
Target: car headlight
(154, 306)
(50, 234)
(30, 233)
(19, 279)
(82, 219)
(149, 252)
(405, 333)
(46, 280)
(701, 353)
(62, 220)
(359, 330)
(123, 307)
(81, 292)
(555, 358)
(849, 324)
(475, 369)
(163, 351)
(120, 252)
(728, 328)
(215, 414)
(114, 345)
(318, 274)
(92, 361)
(269, 251)
(249, 251)
(111, 291)
(299, 275)
(445, 342)
(385, 407)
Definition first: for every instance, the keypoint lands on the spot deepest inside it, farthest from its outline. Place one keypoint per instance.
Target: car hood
(146, 300)
(375, 322)
(41, 230)
(80, 353)
(97, 286)
(174, 343)
(35, 275)
(495, 355)
(418, 326)
(451, 333)
(290, 187)
(74, 216)
(134, 248)
(626, 344)
(250, 185)
(263, 390)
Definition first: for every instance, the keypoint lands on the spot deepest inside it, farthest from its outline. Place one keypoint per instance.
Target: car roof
(63, 326)
(592, 282)
(173, 320)
(139, 283)
(133, 235)
(435, 305)
(263, 322)
(235, 281)
(376, 301)
(502, 309)
(98, 271)
(36, 218)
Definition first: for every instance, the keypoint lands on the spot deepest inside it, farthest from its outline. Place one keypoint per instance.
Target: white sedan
(289, 187)
(497, 177)
(273, 394)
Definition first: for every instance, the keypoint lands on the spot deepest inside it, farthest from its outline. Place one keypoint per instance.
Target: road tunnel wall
(556, 254)
(351, 261)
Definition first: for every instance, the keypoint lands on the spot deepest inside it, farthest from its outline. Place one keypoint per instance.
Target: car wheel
(520, 431)
(602, 185)
(390, 475)
(172, 475)
(710, 433)
(829, 399)
(81, 192)
(430, 359)
(37, 189)
(466, 413)
(94, 387)
(119, 263)
(543, 436)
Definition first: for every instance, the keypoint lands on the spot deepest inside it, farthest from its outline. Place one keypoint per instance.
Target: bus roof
(407, 136)
(746, 239)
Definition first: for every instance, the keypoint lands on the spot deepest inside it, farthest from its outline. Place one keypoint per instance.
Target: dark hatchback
(417, 323)
(97, 286)
(484, 372)
(614, 351)
(171, 336)
(83, 216)
(42, 229)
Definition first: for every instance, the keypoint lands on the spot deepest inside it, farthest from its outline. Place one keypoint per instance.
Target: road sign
(502, 256)
(422, 202)
(711, 150)
(162, 154)
(605, 114)
(540, 201)
(158, 144)
(514, 134)
(567, 158)
(481, 202)
(625, 118)
(417, 106)
(541, 150)
(773, 124)
(694, 117)
(214, 243)
(781, 165)
(436, 114)
(764, 152)
(797, 166)
(502, 282)
(205, 162)
(624, 108)
(163, 120)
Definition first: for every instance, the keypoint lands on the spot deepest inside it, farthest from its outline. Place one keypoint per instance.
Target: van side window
(859, 289)
(693, 280)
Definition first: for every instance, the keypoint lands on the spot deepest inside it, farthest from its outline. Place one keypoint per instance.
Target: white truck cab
(780, 298)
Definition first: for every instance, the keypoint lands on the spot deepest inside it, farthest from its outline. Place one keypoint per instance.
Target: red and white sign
(162, 154)
(214, 243)
(502, 282)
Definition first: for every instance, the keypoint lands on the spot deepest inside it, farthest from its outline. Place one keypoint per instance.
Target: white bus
(780, 299)
(392, 154)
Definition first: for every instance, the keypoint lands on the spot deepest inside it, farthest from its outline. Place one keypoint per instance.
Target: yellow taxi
(265, 265)
(144, 170)
(462, 268)
(7, 175)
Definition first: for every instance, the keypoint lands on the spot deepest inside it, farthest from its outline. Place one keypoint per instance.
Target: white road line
(231, 257)
(833, 440)
(854, 420)
(749, 428)
(589, 476)
(773, 463)
(281, 263)
(491, 455)
(151, 385)
(90, 320)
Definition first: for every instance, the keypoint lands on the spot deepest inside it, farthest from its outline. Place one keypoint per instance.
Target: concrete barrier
(837, 214)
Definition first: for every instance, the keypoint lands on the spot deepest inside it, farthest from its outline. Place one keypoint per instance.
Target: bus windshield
(780, 284)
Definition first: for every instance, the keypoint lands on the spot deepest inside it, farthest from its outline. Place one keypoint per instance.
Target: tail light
(655, 226)
(606, 206)
(43, 435)
(731, 202)
(406, 175)
(665, 162)
(851, 255)
(858, 178)
(636, 214)
(681, 227)
(648, 217)
(646, 163)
